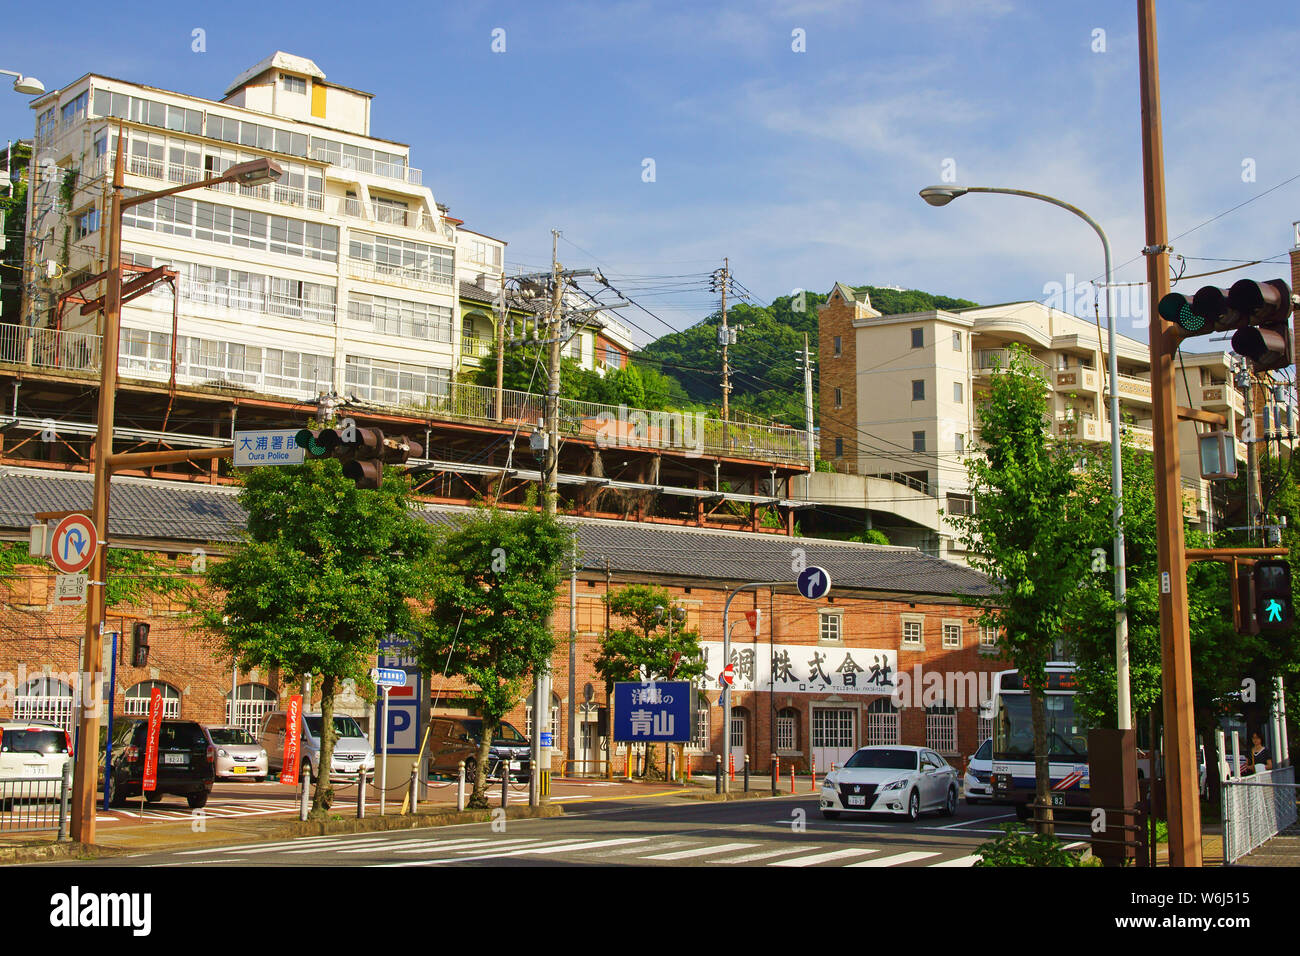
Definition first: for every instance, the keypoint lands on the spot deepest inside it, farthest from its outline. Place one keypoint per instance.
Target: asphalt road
(663, 831)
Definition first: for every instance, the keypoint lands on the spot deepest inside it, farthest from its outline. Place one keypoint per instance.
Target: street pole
(383, 752)
(808, 413)
(726, 659)
(502, 312)
(573, 652)
(1175, 647)
(726, 340)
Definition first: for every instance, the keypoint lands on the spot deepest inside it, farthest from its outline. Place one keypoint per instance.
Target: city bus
(1013, 741)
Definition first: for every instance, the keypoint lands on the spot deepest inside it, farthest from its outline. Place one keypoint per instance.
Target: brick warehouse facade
(881, 596)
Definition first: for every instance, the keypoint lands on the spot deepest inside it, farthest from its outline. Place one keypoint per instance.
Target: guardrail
(1256, 809)
(36, 803)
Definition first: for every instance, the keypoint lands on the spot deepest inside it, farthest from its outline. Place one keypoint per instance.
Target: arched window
(46, 699)
(882, 722)
(787, 730)
(251, 704)
(136, 702)
(941, 728)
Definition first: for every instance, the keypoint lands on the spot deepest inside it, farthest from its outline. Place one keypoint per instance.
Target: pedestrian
(1259, 756)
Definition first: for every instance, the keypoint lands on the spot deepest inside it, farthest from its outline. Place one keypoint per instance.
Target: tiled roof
(477, 293)
(180, 512)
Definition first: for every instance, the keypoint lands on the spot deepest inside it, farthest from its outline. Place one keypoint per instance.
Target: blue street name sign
(654, 711)
(814, 582)
(388, 677)
(272, 446)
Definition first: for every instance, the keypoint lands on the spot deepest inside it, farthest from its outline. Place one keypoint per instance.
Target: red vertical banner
(151, 742)
(292, 737)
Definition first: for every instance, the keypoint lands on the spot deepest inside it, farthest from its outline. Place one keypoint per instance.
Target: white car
(29, 750)
(977, 784)
(898, 779)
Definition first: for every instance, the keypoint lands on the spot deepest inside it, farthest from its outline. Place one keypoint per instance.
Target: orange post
(792, 776)
(812, 781)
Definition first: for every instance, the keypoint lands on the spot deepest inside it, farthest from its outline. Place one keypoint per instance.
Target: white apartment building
(344, 275)
(900, 393)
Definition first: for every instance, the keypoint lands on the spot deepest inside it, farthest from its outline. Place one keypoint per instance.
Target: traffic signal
(139, 644)
(363, 451)
(1243, 605)
(1273, 607)
(1257, 313)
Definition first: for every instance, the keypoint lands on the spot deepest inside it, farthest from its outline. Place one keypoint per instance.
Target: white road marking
(960, 861)
(641, 849)
(700, 851)
(562, 846)
(410, 846)
(823, 857)
(769, 853)
(368, 843)
(896, 859)
(966, 823)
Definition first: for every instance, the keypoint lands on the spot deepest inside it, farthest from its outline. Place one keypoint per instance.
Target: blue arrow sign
(388, 677)
(814, 582)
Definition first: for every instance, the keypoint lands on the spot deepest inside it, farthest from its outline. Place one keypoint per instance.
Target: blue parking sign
(654, 711)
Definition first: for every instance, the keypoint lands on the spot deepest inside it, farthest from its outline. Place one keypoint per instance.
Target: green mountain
(766, 380)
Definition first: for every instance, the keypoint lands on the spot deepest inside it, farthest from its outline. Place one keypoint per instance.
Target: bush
(1019, 846)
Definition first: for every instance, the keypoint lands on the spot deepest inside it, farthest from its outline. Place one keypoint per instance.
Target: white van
(352, 751)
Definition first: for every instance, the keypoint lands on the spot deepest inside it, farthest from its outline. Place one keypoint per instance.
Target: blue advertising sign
(654, 711)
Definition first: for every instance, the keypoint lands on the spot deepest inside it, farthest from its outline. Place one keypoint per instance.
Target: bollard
(747, 773)
(792, 776)
(305, 783)
(668, 760)
(812, 779)
(776, 774)
(717, 773)
(64, 798)
(361, 793)
(411, 792)
(505, 782)
(460, 787)
(731, 765)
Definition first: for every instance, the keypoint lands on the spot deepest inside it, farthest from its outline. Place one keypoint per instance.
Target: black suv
(186, 761)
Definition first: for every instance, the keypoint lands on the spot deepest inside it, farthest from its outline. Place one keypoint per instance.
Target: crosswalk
(257, 808)
(389, 850)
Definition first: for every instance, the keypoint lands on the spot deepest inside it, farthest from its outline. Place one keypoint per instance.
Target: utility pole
(502, 312)
(724, 339)
(550, 478)
(1253, 496)
(1175, 645)
(808, 408)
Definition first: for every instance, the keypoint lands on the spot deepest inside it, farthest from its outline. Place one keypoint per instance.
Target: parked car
(898, 779)
(29, 749)
(453, 739)
(352, 751)
(186, 761)
(239, 755)
(977, 784)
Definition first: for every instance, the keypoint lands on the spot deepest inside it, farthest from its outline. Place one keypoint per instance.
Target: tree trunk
(478, 799)
(1045, 825)
(324, 795)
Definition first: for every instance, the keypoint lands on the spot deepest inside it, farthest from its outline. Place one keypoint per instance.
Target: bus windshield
(1013, 731)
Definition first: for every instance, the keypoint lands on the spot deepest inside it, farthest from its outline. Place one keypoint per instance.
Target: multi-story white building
(899, 393)
(344, 275)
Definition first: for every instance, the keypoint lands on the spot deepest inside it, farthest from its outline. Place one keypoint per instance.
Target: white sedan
(898, 779)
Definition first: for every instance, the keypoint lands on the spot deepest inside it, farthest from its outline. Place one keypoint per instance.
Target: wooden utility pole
(1175, 646)
(503, 309)
(550, 479)
(724, 339)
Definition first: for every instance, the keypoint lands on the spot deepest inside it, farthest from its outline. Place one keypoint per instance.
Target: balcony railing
(989, 359)
(395, 275)
(384, 213)
(175, 173)
(398, 171)
(473, 346)
(262, 303)
(1130, 386)
(688, 433)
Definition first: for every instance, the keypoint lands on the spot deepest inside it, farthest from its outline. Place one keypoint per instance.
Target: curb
(410, 821)
(710, 796)
(57, 851)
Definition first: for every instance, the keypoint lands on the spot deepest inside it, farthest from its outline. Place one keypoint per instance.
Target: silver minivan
(352, 751)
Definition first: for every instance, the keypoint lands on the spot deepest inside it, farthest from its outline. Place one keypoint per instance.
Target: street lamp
(941, 196)
(252, 173)
(27, 85)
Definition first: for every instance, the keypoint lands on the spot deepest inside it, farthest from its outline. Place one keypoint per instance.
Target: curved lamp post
(941, 196)
(27, 85)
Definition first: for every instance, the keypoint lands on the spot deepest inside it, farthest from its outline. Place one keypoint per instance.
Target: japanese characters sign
(805, 668)
(150, 781)
(653, 711)
(275, 446)
(292, 738)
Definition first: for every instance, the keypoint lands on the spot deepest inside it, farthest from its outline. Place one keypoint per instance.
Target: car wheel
(259, 779)
(118, 797)
(950, 807)
(1022, 811)
(831, 814)
(152, 796)
(196, 800)
(914, 806)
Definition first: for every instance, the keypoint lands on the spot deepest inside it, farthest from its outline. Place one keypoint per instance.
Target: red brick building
(896, 622)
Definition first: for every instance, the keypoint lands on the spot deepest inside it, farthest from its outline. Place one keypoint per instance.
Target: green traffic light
(317, 444)
(1176, 308)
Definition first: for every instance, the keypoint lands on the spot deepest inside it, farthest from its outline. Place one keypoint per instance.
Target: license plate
(176, 758)
(238, 769)
(40, 770)
(857, 801)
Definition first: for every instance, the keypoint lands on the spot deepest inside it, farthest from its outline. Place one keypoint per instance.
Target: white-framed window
(959, 443)
(87, 223)
(984, 729)
(555, 721)
(252, 702)
(941, 728)
(699, 742)
(417, 320)
(294, 84)
(957, 393)
(956, 341)
(136, 701)
(241, 228)
(952, 634)
(787, 730)
(46, 699)
(402, 257)
(832, 626)
(988, 637)
(395, 383)
(882, 723)
(912, 630)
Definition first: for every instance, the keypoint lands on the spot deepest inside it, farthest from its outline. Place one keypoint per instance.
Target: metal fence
(1256, 809)
(36, 803)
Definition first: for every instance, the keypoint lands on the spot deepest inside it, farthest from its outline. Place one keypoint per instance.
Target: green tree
(1030, 532)
(492, 582)
(323, 572)
(653, 641)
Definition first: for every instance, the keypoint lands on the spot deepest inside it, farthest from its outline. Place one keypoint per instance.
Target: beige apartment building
(899, 393)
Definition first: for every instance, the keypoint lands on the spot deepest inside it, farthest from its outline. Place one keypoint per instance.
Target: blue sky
(802, 168)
